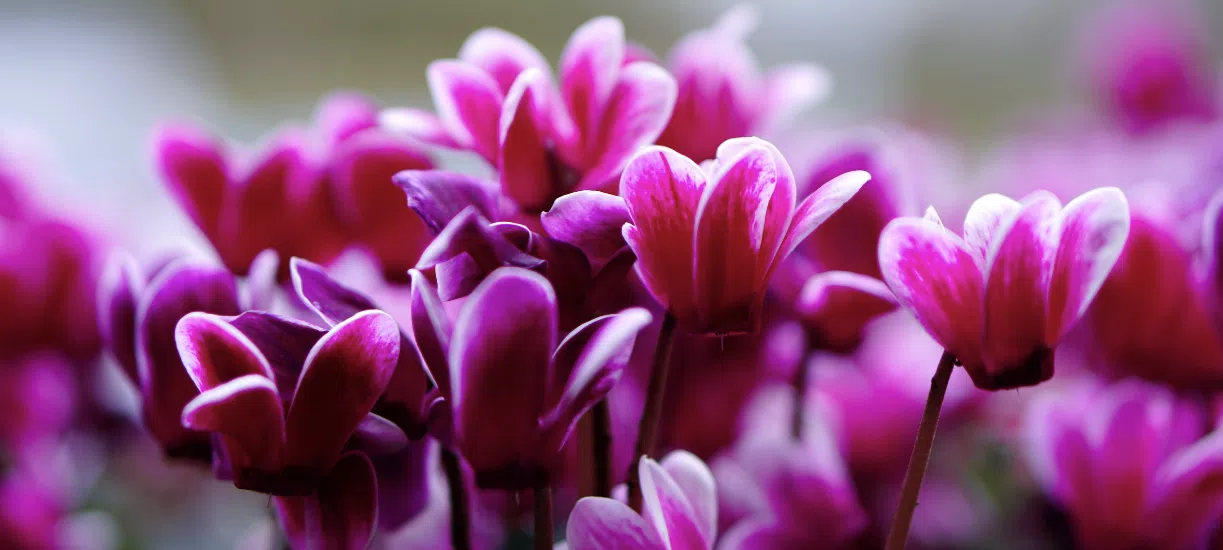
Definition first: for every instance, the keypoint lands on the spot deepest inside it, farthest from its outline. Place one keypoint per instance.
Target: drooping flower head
(498, 99)
(1001, 297)
(722, 92)
(679, 511)
(708, 238)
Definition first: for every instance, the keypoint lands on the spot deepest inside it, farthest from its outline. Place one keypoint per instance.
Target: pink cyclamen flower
(502, 360)
(679, 511)
(287, 397)
(1001, 297)
(499, 100)
(722, 92)
(708, 238)
(1130, 463)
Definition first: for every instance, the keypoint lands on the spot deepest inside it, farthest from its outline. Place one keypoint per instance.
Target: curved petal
(118, 288)
(468, 102)
(377, 436)
(589, 220)
(214, 352)
(431, 329)
(330, 300)
(696, 482)
(343, 377)
(820, 206)
(667, 508)
(347, 512)
(343, 114)
(1188, 500)
(934, 275)
(470, 234)
(637, 111)
(193, 166)
(437, 196)
(499, 369)
(837, 305)
(589, 67)
(247, 411)
(283, 341)
(267, 195)
(1094, 230)
(598, 523)
(503, 55)
(780, 209)
(418, 124)
(525, 163)
(985, 218)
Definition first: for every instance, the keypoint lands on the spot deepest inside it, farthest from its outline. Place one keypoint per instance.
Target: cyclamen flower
(498, 99)
(679, 511)
(1001, 297)
(722, 92)
(1129, 463)
(708, 239)
(501, 360)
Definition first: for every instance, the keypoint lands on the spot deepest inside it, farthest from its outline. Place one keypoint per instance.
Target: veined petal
(194, 168)
(437, 196)
(343, 377)
(214, 352)
(598, 523)
(1094, 229)
(696, 482)
(247, 411)
(636, 113)
(499, 368)
(589, 220)
(985, 218)
(667, 508)
(780, 209)
(468, 102)
(120, 285)
(934, 275)
(817, 207)
(503, 55)
(1018, 269)
(283, 341)
(589, 67)
(525, 163)
(418, 124)
(330, 300)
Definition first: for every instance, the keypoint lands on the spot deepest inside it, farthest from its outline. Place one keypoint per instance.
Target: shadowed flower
(722, 92)
(287, 397)
(340, 514)
(1130, 463)
(1002, 297)
(499, 100)
(708, 239)
(501, 360)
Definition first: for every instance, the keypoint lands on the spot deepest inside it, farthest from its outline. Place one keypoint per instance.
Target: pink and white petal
(418, 124)
(347, 506)
(524, 161)
(662, 190)
(214, 352)
(437, 196)
(194, 168)
(1094, 229)
(667, 508)
(781, 204)
(346, 372)
(836, 306)
(589, 68)
(697, 484)
(985, 218)
(377, 436)
(431, 329)
(502, 54)
(598, 523)
(327, 298)
(247, 411)
(790, 89)
(499, 367)
(342, 114)
(118, 288)
(468, 103)
(637, 111)
(589, 220)
(935, 276)
(1018, 269)
(1187, 501)
(818, 207)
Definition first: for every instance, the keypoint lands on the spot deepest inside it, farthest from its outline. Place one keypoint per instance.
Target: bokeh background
(82, 83)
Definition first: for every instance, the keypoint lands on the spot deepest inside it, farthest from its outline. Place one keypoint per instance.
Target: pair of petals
(707, 241)
(1001, 297)
(679, 511)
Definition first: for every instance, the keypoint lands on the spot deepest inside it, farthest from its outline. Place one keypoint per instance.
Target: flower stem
(800, 395)
(460, 520)
(543, 517)
(647, 431)
(601, 441)
(899, 533)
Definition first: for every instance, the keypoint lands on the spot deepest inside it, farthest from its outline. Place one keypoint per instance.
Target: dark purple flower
(340, 514)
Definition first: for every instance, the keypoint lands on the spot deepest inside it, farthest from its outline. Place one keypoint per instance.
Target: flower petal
(933, 274)
(666, 506)
(820, 206)
(341, 115)
(1018, 268)
(985, 219)
(332, 301)
(347, 506)
(525, 163)
(637, 111)
(1094, 229)
(589, 67)
(469, 233)
(343, 377)
(837, 305)
(468, 102)
(267, 196)
(120, 285)
(696, 482)
(604, 524)
(589, 220)
(193, 167)
(437, 196)
(418, 124)
(283, 341)
(503, 55)
(431, 329)
(247, 412)
(214, 352)
(1188, 501)
(377, 436)
(499, 368)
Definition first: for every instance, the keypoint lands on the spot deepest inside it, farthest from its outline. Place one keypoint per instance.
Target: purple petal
(637, 111)
(247, 411)
(696, 482)
(589, 220)
(438, 196)
(780, 207)
(377, 436)
(193, 166)
(1094, 229)
(837, 305)
(347, 505)
(118, 289)
(431, 329)
(503, 55)
(404, 487)
(342, 114)
(1187, 501)
(468, 102)
(499, 368)
(985, 219)
(343, 377)
(589, 67)
(667, 508)
(818, 207)
(214, 352)
(283, 341)
(332, 301)
(418, 124)
(470, 234)
(604, 524)
(525, 162)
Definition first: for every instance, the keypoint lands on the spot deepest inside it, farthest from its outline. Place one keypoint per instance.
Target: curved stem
(899, 533)
(543, 517)
(460, 519)
(647, 431)
(601, 441)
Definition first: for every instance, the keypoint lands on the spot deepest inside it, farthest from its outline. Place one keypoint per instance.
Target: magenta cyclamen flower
(499, 100)
(708, 238)
(1129, 463)
(1001, 297)
(679, 511)
(502, 361)
(722, 92)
